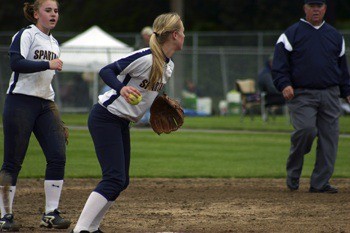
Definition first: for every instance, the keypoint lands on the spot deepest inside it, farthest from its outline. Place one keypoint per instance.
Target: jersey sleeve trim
(342, 48)
(16, 43)
(283, 39)
(124, 63)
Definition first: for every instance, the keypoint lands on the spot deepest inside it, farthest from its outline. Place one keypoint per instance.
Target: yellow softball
(135, 100)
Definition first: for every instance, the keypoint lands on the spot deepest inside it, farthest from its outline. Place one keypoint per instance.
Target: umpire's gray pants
(314, 113)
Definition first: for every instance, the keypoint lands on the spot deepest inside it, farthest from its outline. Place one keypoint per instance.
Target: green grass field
(193, 153)
(280, 124)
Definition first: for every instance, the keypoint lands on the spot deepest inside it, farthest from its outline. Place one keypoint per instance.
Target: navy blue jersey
(311, 57)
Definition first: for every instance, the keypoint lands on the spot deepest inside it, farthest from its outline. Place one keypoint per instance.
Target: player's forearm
(21, 65)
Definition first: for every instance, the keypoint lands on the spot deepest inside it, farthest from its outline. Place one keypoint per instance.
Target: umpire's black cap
(315, 1)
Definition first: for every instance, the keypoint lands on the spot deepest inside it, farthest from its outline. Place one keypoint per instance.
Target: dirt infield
(198, 205)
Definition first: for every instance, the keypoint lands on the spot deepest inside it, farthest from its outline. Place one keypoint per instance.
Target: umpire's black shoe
(8, 224)
(54, 220)
(293, 183)
(326, 189)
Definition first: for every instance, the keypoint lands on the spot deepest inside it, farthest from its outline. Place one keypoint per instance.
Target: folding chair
(250, 99)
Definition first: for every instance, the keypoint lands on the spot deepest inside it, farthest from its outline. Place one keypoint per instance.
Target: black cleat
(54, 220)
(326, 189)
(8, 224)
(98, 231)
(293, 183)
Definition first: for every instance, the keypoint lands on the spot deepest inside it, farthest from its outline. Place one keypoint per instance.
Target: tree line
(199, 15)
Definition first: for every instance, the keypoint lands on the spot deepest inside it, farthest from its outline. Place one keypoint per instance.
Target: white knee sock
(96, 222)
(53, 190)
(92, 208)
(12, 191)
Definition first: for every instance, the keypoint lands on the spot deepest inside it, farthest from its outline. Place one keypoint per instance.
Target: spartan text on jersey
(44, 55)
(157, 87)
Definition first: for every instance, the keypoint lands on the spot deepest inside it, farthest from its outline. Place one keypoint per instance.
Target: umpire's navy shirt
(311, 57)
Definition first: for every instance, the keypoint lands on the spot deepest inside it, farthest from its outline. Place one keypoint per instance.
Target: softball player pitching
(29, 107)
(143, 72)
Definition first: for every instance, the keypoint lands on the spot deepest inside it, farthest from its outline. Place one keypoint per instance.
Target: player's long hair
(29, 9)
(163, 26)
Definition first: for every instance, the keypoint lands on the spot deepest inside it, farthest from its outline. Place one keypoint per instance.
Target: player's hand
(56, 64)
(288, 93)
(127, 90)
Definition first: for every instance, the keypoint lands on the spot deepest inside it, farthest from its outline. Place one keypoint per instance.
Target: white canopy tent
(91, 50)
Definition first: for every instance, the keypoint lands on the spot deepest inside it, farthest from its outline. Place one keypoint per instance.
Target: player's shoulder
(24, 34)
(141, 55)
(26, 31)
(31, 30)
(135, 60)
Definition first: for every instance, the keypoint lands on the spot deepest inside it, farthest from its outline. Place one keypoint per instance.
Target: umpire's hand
(288, 93)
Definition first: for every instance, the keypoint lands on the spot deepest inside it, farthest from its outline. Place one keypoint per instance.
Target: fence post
(195, 58)
(223, 70)
(1, 88)
(260, 45)
(95, 88)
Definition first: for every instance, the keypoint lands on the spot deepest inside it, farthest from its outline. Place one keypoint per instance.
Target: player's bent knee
(112, 187)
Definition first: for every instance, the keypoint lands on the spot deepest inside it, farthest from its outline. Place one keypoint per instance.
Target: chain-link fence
(212, 61)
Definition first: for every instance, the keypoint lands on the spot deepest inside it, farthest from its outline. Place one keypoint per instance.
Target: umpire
(310, 69)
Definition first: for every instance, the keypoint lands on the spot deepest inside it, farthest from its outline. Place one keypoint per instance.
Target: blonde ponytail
(163, 26)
